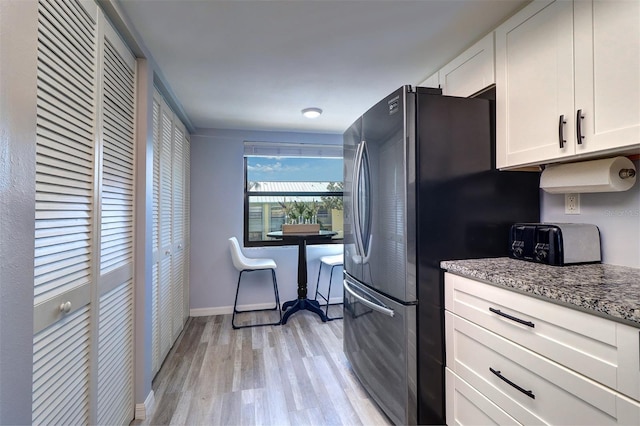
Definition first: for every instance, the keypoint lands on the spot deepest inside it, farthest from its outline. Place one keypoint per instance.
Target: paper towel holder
(604, 175)
(627, 173)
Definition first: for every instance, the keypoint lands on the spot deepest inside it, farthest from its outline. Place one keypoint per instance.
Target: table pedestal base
(301, 304)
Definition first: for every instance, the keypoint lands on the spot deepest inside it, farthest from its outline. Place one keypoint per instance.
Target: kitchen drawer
(548, 393)
(601, 349)
(467, 406)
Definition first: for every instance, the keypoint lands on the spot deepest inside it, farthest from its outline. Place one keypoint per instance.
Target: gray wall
(18, 31)
(217, 177)
(617, 215)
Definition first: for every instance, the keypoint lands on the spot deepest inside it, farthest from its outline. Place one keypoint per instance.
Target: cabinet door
(471, 71)
(170, 238)
(65, 222)
(431, 81)
(178, 243)
(162, 273)
(607, 74)
(115, 283)
(534, 80)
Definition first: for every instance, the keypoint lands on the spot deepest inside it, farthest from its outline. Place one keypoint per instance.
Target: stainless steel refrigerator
(420, 187)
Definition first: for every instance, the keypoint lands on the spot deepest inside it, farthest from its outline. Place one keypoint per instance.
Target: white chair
(245, 264)
(332, 261)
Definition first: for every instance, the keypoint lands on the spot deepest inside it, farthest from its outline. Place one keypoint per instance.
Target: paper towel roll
(589, 176)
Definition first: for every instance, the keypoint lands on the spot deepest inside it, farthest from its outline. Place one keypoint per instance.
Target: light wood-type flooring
(294, 374)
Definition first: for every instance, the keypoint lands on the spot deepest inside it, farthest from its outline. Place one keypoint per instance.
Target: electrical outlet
(572, 203)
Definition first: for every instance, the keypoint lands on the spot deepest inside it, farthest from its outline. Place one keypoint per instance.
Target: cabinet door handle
(579, 118)
(523, 390)
(512, 318)
(561, 124)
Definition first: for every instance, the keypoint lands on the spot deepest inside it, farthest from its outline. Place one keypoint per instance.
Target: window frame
(276, 243)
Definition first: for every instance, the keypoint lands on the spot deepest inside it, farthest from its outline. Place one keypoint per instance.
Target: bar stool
(245, 264)
(332, 261)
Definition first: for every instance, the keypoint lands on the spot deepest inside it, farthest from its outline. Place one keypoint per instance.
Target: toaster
(555, 244)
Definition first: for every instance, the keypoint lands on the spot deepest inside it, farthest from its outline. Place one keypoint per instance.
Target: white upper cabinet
(431, 81)
(534, 84)
(567, 81)
(607, 73)
(471, 71)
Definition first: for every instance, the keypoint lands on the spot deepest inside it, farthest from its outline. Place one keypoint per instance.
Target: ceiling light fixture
(312, 112)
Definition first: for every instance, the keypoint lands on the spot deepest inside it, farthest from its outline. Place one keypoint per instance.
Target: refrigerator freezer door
(380, 343)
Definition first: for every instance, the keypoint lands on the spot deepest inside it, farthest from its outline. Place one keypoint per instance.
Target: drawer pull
(523, 390)
(512, 318)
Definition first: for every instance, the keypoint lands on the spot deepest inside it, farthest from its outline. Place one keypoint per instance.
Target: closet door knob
(65, 307)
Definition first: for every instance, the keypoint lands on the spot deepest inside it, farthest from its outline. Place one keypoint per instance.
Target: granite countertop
(606, 290)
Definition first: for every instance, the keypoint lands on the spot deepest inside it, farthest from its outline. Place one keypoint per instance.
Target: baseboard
(225, 310)
(143, 411)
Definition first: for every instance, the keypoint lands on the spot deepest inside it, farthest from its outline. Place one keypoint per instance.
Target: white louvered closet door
(187, 226)
(178, 225)
(156, 247)
(170, 295)
(83, 288)
(163, 234)
(115, 400)
(65, 220)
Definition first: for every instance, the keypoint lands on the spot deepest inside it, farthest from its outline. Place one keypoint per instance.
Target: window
(291, 183)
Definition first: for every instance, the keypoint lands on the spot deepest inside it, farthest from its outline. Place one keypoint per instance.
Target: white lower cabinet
(510, 360)
(467, 406)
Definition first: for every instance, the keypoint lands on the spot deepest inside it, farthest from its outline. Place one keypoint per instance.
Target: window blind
(284, 149)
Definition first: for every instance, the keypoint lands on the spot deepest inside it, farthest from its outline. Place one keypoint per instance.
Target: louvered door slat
(54, 93)
(118, 159)
(121, 148)
(115, 360)
(64, 67)
(155, 318)
(53, 151)
(118, 170)
(108, 227)
(165, 307)
(56, 96)
(62, 140)
(60, 381)
(74, 30)
(56, 167)
(156, 177)
(52, 119)
(63, 38)
(59, 228)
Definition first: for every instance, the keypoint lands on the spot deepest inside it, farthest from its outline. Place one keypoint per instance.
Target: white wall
(217, 177)
(617, 215)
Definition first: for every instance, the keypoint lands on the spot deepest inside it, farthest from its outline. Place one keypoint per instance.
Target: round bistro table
(302, 302)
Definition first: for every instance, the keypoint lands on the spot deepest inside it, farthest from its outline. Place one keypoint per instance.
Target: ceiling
(241, 64)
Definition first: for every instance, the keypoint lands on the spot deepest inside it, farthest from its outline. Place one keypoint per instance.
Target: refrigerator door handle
(355, 199)
(375, 306)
